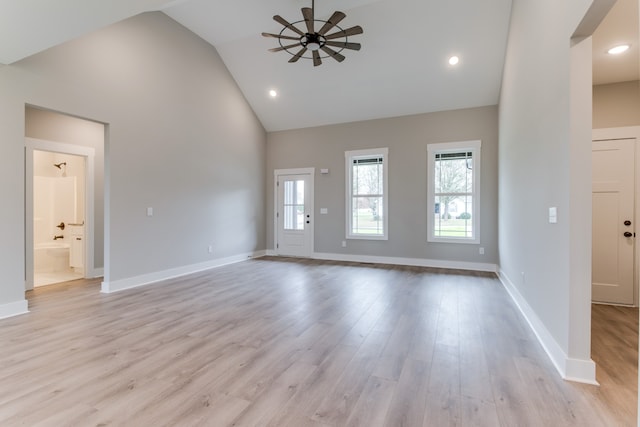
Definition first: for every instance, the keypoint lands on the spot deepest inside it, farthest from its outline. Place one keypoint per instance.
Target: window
(293, 205)
(367, 194)
(453, 202)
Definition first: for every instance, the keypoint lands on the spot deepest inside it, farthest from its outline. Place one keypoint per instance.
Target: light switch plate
(324, 211)
(553, 215)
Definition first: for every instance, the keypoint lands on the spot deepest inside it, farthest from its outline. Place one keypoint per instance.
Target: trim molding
(414, 262)
(626, 132)
(14, 309)
(97, 272)
(578, 370)
(147, 279)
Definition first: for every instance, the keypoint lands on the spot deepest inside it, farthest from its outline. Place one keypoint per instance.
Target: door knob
(627, 223)
(627, 234)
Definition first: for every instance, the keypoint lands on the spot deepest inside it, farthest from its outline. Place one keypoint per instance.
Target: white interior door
(613, 199)
(294, 229)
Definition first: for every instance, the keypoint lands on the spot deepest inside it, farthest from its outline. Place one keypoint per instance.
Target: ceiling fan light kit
(315, 41)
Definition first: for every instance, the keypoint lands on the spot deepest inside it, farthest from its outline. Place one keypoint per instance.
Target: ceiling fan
(315, 41)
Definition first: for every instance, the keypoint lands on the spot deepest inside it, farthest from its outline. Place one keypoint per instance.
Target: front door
(613, 202)
(294, 232)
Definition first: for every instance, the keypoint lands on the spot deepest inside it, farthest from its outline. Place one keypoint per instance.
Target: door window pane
(294, 205)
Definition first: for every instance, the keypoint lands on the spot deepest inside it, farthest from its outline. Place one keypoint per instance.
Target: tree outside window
(367, 194)
(453, 192)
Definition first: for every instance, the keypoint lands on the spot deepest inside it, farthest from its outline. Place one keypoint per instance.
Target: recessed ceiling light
(618, 49)
(454, 60)
(273, 93)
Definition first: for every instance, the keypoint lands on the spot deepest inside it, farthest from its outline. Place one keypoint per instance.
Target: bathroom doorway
(58, 217)
(59, 203)
(64, 197)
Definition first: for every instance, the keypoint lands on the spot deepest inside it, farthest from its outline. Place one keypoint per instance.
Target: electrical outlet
(481, 251)
(344, 243)
(210, 249)
(522, 274)
(553, 215)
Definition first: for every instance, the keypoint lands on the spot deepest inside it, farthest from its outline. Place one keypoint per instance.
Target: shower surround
(57, 202)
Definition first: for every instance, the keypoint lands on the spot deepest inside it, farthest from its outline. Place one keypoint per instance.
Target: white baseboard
(581, 371)
(97, 272)
(578, 370)
(146, 279)
(14, 309)
(414, 262)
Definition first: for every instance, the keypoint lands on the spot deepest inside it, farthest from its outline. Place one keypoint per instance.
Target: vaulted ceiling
(401, 69)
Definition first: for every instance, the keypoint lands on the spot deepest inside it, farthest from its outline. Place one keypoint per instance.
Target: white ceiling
(402, 67)
(620, 26)
(30, 26)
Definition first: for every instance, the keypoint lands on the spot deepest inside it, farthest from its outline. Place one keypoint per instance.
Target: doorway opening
(293, 190)
(64, 198)
(58, 217)
(615, 213)
(615, 261)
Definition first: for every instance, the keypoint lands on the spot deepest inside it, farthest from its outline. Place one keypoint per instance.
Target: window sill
(453, 240)
(364, 237)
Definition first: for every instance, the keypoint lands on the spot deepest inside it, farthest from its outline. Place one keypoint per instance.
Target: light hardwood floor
(614, 344)
(281, 342)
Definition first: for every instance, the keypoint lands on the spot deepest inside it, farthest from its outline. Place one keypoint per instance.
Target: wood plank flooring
(614, 348)
(283, 342)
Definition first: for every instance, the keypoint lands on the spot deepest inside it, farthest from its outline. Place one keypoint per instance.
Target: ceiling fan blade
(344, 33)
(280, 36)
(344, 45)
(316, 58)
(332, 22)
(284, 22)
(278, 49)
(332, 53)
(298, 55)
(307, 14)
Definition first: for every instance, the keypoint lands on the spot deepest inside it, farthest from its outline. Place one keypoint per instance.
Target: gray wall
(541, 166)
(616, 105)
(180, 138)
(407, 139)
(51, 126)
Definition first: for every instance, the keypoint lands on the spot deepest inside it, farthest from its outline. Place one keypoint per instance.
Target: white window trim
(349, 156)
(452, 147)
